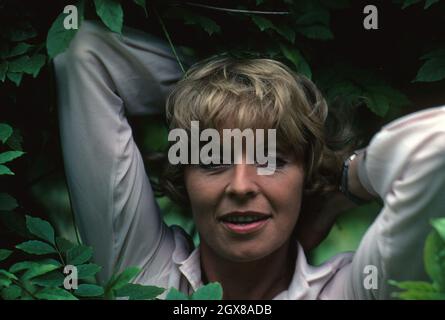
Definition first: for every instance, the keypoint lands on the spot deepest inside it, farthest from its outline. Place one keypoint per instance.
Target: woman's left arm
(405, 166)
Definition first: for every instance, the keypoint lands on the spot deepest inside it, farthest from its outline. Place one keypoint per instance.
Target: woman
(104, 77)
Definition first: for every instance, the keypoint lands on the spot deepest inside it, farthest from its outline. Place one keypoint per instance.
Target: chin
(246, 254)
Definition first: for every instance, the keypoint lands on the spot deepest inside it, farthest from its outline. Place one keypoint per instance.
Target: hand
(314, 225)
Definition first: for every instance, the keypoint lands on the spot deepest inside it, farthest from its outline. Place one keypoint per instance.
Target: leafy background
(376, 75)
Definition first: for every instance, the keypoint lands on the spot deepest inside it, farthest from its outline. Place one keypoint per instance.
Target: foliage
(44, 279)
(434, 260)
(314, 37)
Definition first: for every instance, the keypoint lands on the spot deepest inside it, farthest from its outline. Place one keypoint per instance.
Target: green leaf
(175, 294)
(50, 261)
(3, 70)
(378, 103)
(9, 275)
(64, 245)
(5, 132)
(51, 279)
(264, 24)
(19, 64)
(111, 14)
(39, 269)
(36, 247)
(9, 156)
(439, 225)
(123, 278)
(395, 97)
(35, 64)
(207, 24)
(139, 292)
(142, 4)
(4, 281)
(416, 290)
(429, 3)
(314, 17)
(5, 170)
(26, 64)
(6, 278)
(432, 70)
(24, 32)
(294, 55)
(413, 285)
(20, 266)
(15, 140)
(211, 291)
(12, 292)
(54, 294)
(7, 203)
(191, 18)
(40, 228)
(434, 258)
(59, 38)
(89, 290)
(4, 254)
(337, 4)
(408, 3)
(317, 32)
(15, 77)
(85, 271)
(35, 269)
(419, 295)
(344, 89)
(79, 255)
(19, 49)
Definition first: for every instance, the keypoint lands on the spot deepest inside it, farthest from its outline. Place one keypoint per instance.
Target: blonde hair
(254, 93)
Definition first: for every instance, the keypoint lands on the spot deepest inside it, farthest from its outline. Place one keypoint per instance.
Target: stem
(60, 255)
(167, 35)
(24, 289)
(199, 5)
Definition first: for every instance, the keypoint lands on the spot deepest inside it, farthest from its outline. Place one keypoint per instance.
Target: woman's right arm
(101, 78)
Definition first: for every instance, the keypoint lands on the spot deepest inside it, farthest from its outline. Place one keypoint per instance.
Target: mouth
(245, 222)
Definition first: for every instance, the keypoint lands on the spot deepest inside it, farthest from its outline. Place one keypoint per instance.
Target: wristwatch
(344, 179)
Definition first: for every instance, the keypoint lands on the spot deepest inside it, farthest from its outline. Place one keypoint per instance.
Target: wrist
(355, 184)
(350, 184)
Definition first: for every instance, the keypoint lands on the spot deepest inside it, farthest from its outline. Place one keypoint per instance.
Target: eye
(213, 167)
(279, 162)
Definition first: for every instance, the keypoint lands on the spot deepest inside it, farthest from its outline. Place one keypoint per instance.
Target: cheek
(202, 190)
(287, 187)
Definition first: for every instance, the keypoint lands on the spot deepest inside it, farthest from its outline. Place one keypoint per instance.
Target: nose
(243, 182)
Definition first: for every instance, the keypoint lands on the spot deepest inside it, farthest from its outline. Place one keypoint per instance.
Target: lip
(245, 228)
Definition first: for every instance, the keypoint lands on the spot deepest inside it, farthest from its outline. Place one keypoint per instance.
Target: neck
(256, 280)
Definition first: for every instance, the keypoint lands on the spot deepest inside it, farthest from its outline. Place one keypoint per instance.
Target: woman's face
(243, 216)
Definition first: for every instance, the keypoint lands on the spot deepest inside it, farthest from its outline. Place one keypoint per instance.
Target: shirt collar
(304, 284)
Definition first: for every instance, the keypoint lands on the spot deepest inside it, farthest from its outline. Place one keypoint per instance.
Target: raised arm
(101, 78)
(405, 166)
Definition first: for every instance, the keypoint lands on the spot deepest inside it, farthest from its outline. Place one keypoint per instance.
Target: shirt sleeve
(405, 165)
(101, 78)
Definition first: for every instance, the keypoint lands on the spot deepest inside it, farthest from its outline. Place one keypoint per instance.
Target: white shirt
(103, 77)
